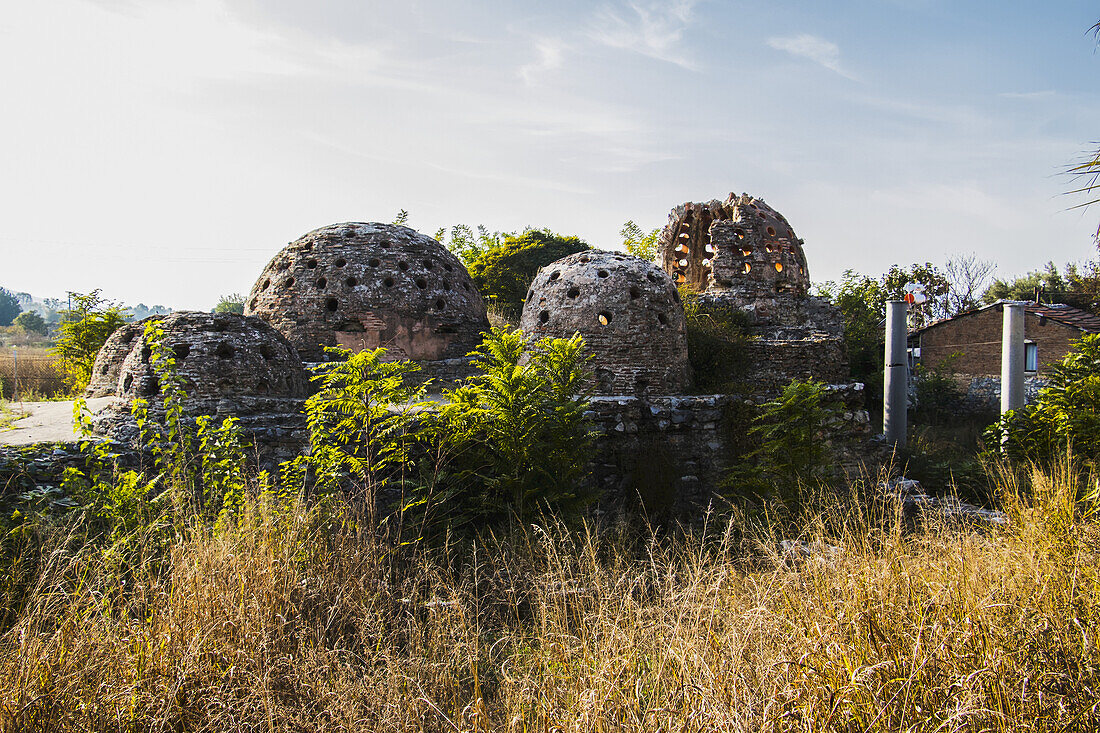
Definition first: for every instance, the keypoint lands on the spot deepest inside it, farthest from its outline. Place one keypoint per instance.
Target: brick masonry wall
(977, 338)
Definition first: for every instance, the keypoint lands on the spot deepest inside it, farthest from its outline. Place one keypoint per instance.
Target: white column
(895, 393)
(1012, 357)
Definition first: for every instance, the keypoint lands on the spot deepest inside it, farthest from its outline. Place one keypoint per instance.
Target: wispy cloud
(550, 54)
(1045, 94)
(652, 29)
(816, 49)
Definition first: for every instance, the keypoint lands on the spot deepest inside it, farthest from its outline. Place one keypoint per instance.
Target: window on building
(1031, 357)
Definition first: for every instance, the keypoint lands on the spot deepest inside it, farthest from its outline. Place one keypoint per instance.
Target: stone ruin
(628, 312)
(742, 255)
(362, 286)
(229, 365)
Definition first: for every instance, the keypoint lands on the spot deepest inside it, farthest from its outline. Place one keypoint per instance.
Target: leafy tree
(504, 272)
(24, 298)
(1048, 280)
(9, 307)
(862, 301)
(232, 303)
(639, 243)
(936, 287)
(467, 244)
(31, 322)
(82, 331)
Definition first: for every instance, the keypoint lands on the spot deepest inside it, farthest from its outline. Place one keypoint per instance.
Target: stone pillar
(895, 393)
(1012, 357)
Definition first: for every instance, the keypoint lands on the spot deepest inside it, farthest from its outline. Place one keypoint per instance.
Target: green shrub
(717, 344)
(83, 329)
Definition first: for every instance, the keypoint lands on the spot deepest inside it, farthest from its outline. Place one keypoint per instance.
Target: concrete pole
(895, 393)
(1012, 357)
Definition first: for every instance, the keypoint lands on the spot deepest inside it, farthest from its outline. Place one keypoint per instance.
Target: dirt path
(45, 421)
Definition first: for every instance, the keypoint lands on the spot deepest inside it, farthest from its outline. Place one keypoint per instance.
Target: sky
(164, 150)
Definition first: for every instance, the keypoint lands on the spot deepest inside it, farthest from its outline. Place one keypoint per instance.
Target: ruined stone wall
(361, 286)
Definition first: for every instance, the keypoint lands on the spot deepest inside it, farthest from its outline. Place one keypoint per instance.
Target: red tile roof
(1064, 314)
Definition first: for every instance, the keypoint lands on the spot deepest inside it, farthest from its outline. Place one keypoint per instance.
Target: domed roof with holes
(739, 244)
(361, 286)
(218, 357)
(627, 310)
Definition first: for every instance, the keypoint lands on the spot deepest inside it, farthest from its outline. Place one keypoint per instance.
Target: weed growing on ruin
(716, 341)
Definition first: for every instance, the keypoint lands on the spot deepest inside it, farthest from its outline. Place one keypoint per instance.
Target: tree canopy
(83, 329)
(505, 271)
(9, 307)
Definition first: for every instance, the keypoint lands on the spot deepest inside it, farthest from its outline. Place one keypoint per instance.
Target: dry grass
(294, 621)
(40, 376)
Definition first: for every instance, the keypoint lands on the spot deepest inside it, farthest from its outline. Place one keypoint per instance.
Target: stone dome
(219, 357)
(108, 362)
(628, 312)
(361, 286)
(740, 244)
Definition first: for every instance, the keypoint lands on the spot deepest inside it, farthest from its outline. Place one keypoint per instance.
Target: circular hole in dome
(128, 382)
(224, 351)
(332, 304)
(289, 282)
(261, 387)
(679, 277)
(738, 233)
(635, 293)
(440, 304)
(307, 246)
(604, 318)
(682, 263)
(349, 233)
(388, 282)
(574, 292)
(762, 215)
(544, 317)
(253, 304)
(768, 248)
(770, 231)
(266, 285)
(402, 265)
(542, 302)
(446, 284)
(584, 259)
(150, 387)
(428, 265)
(779, 267)
(746, 252)
(282, 266)
(706, 263)
(554, 275)
(601, 273)
(103, 369)
(182, 351)
(748, 268)
(130, 336)
(146, 352)
(351, 282)
(220, 325)
(466, 287)
(651, 277)
(321, 283)
(311, 264)
(384, 245)
(447, 267)
(340, 262)
(374, 262)
(421, 283)
(265, 352)
(662, 319)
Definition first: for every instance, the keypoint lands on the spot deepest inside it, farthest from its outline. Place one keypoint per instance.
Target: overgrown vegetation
(717, 340)
(83, 329)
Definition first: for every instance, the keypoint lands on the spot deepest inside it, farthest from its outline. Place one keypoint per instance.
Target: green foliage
(9, 307)
(467, 244)
(862, 301)
(362, 424)
(716, 341)
(936, 393)
(31, 322)
(1065, 417)
(83, 329)
(504, 272)
(232, 303)
(639, 243)
(402, 217)
(792, 448)
(936, 287)
(517, 432)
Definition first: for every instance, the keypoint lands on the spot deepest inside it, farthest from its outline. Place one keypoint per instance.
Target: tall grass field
(300, 619)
